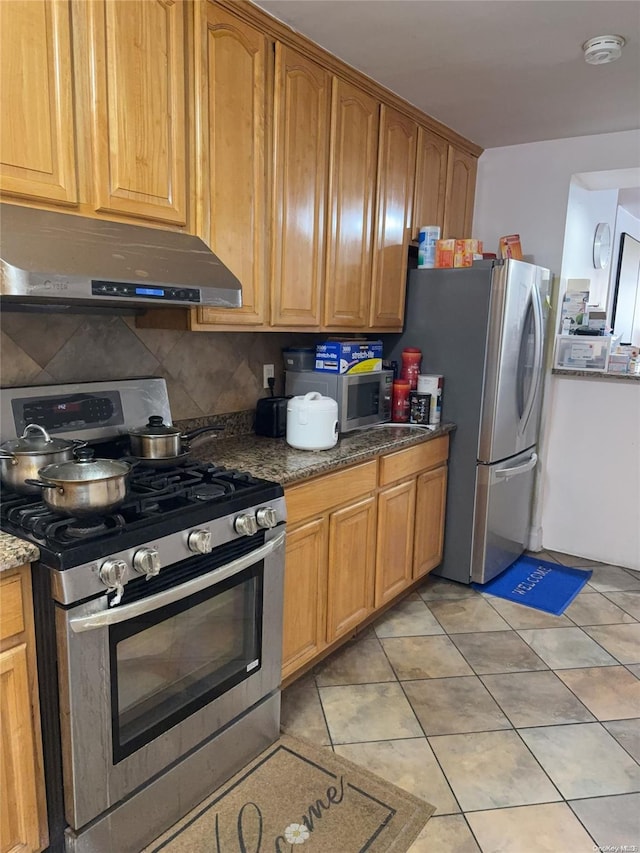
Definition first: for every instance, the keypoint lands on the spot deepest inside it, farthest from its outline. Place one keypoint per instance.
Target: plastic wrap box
(582, 352)
(349, 356)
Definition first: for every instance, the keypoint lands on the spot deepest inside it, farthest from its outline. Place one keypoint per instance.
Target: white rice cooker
(312, 422)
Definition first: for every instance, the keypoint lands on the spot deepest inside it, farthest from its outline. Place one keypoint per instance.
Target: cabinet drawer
(404, 463)
(12, 605)
(331, 490)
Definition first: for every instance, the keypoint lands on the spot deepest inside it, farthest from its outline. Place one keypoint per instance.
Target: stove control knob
(146, 561)
(245, 524)
(266, 516)
(199, 541)
(111, 574)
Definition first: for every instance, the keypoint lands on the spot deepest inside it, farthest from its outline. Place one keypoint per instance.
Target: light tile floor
(523, 729)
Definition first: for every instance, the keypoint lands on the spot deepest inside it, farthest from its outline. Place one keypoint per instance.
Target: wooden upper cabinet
(430, 183)
(301, 127)
(396, 172)
(353, 151)
(460, 194)
(233, 120)
(37, 129)
(138, 81)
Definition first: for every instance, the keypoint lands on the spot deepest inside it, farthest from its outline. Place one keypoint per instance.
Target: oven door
(144, 683)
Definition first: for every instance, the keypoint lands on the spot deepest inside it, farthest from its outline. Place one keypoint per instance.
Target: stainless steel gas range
(158, 627)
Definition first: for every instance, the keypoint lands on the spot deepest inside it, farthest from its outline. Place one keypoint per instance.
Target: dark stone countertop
(596, 374)
(274, 459)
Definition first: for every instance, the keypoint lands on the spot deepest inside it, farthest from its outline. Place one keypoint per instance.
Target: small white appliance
(312, 422)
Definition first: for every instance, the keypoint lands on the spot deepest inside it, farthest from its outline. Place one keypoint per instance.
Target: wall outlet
(268, 372)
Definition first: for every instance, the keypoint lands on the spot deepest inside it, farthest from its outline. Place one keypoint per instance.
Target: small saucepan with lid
(158, 443)
(84, 486)
(22, 458)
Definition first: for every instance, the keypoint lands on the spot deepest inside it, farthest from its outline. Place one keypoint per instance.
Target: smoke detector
(602, 49)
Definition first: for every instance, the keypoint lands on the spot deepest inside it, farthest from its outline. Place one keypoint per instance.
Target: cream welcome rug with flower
(298, 797)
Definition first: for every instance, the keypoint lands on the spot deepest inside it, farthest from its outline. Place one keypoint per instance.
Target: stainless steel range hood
(50, 258)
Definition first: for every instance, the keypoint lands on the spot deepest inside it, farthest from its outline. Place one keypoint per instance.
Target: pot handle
(40, 483)
(5, 455)
(45, 434)
(187, 436)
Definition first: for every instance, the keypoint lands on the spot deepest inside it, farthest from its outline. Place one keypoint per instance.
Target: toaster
(271, 416)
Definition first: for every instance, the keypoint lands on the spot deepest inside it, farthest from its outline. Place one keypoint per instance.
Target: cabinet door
(138, 95)
(19, 827)
(353, 151)
(351, 567)
(233, 120)
(430, 183)
(460, 194)
(37, 130)
(301, 123)
(396, 170)
(394, 549)
(305, 595)
(431, 496)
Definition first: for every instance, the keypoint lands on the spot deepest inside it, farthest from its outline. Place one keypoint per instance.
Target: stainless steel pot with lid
(84, 486)
(22, 458)
(158, 440)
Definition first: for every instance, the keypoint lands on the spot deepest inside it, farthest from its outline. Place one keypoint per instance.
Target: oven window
(169, 663)
(363, 399)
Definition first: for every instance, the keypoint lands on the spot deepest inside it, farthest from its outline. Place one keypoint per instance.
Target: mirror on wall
(625, 312)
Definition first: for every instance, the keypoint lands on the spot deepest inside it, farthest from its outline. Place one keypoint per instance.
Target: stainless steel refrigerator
(483, 329)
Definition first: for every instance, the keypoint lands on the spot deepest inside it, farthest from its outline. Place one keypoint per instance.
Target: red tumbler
(410, 370)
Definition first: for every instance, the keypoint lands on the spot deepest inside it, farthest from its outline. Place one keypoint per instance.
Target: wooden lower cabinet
(357, 539)
(305, 594)
(351, 567)
(23, 827)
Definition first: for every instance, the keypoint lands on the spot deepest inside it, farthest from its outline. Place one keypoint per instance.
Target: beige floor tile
(424, 657)
(435, 588)
(596, 610)
(519, 616)
(561, 648)
(449, 834)
(490, 770)
(410, 764)
(583, 760)
(627, 733)
(613, 579)
(613, 822)
(497, 651)
(454, 705)
(536, 699)
(572, 561)
(368, 712)
(629, 601)
(609, 692)
(549, 828)
(622, 641)
(301, 713)
(361, 662)
(467, 615)
(634, 668)
(410, 618)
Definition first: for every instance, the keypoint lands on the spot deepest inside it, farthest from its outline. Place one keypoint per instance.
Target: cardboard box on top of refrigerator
(445, 250)
(349, 357)
(510, 247)
(466, 251)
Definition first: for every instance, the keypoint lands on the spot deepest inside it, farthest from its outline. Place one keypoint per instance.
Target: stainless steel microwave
(363, 398)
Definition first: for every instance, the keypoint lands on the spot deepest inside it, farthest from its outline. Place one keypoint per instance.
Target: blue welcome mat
(537, 583)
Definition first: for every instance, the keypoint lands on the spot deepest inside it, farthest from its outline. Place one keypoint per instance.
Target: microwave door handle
(104, 618)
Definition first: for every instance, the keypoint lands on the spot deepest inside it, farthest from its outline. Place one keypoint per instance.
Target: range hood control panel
(125, 290)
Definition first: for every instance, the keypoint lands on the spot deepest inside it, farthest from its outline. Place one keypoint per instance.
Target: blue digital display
(148, 291)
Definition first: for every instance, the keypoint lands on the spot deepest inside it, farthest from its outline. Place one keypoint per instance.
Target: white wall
(525, 189)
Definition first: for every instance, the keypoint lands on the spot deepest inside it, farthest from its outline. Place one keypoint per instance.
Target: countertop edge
(16, 552)
(596, 374)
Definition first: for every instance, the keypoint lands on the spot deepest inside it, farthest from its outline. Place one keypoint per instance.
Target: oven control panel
(113, 572)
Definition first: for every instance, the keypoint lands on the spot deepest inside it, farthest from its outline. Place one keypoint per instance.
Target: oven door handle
(78, 624)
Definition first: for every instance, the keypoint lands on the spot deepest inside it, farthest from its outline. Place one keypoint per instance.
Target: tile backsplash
(206, 372)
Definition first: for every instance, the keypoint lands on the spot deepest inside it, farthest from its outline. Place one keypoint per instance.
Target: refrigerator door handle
(537, 356)
(506, 473)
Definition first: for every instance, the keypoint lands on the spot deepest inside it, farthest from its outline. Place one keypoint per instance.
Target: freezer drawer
(504, 493)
